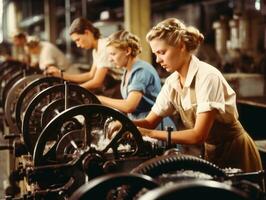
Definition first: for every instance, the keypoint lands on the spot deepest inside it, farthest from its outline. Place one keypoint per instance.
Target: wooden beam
(50, 20)
(137, 21)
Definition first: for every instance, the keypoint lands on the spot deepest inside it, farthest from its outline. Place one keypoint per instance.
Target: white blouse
(51, 54)
(211, 89)
(101, 59)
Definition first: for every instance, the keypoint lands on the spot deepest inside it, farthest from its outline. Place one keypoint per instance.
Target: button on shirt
(211, 89)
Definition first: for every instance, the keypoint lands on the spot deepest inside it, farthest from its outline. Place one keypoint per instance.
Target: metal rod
(66, 94)
(169, 133)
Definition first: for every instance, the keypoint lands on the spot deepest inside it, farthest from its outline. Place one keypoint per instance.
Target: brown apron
(228, 144)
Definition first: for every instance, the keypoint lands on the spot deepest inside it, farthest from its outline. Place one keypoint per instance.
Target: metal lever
(66, 95)
(169, 133)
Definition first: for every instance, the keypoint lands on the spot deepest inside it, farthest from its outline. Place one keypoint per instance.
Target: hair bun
(32, 41)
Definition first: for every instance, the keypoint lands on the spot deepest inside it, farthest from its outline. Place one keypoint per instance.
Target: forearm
(150, 121)
(92, 84)
(97, 76)
(143, 123)
(119, 104)
(77, 78)
(188, 136)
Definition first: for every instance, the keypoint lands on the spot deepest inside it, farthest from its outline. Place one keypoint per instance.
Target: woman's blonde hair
(123, 40)
(32, 42)
(173, 31)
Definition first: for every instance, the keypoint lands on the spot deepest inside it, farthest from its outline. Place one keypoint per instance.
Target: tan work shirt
(205, 89)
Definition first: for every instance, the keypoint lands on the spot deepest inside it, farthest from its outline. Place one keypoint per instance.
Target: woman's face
(119, 57)
(169, 57)
(84, 41)
(19, 41)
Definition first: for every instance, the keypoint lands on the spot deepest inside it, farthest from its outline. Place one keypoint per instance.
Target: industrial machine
(61, 148)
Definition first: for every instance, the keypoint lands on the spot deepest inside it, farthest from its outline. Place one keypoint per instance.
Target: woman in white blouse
(202, 97)
(102, 77)
(45, 54)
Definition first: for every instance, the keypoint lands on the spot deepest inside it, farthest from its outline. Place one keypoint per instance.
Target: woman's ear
(128, 51)
(88, 32)
(182, 46)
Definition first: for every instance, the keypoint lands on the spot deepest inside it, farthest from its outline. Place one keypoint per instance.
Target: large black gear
(173, 162)
(101, 187)
(29, 92)
(31, 126)
(95, 117)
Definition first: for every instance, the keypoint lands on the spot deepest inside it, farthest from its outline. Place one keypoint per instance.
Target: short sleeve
(46, 58)
(210, 94)
(140, 81)
(101, 57)
(103, 60)
(163, 105)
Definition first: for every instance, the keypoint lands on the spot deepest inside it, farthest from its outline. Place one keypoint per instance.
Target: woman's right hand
(53, 71)
(112, 128)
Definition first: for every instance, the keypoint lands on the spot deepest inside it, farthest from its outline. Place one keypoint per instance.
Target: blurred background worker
(103, 77)
(45, 54)
(19, 53)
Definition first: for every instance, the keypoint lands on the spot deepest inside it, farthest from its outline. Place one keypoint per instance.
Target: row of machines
(57, 135)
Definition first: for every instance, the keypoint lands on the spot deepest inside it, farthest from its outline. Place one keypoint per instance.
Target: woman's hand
(145, 132)
(112, 128)
(53, 71)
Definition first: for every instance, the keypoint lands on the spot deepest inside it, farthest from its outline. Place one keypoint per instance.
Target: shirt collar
(192, 70)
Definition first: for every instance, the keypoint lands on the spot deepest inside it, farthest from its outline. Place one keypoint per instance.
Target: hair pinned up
(32, 41)
(124, 39)
(173, 31)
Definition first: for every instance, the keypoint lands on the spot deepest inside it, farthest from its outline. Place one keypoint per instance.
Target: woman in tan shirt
(202, 97)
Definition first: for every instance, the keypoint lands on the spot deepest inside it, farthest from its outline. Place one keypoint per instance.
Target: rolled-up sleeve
(163, 106)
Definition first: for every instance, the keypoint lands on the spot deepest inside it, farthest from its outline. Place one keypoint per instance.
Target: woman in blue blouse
(140, 83)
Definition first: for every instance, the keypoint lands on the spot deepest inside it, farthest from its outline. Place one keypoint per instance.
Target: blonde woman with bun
(140, 83)
(202, 97)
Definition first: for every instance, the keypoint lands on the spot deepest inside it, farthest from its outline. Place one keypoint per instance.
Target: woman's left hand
(145, 132)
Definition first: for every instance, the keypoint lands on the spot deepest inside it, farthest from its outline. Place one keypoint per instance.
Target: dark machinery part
(69, 145)
(171, 163)
(169, 140)
(10, 72)
(54, 108)
(175, 168)
(21, 71)
(192, 189)
(9, 83)
(107, 186)
(94, 120)
(29, 92)
(76, 151)
(32, 126)
(7, 70)
(12, 98)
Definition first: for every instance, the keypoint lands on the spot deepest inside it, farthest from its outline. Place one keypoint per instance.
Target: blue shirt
(145, 79)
